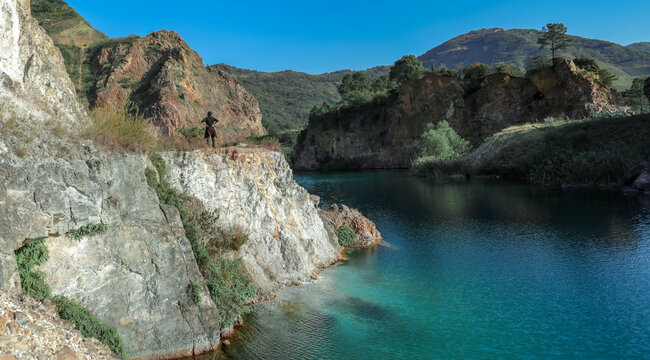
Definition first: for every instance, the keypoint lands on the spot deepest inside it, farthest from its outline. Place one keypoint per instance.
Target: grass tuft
(118, 130)
(88, 230)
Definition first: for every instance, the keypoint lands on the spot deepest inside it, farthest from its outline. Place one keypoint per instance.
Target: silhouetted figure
(210, 131)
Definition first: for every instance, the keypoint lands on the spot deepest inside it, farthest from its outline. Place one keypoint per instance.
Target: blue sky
(318, 37)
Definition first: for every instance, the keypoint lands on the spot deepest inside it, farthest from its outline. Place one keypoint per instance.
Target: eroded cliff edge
(135, 275)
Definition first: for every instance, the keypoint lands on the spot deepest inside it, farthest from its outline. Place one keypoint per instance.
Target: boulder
(338, 215)
(637, 179)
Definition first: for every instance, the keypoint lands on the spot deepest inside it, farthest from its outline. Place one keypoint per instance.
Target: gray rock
(637, 179)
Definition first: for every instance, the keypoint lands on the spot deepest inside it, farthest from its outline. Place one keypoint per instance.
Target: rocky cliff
(253, 189)
(136, 274)
(160, 76)
(381, 136)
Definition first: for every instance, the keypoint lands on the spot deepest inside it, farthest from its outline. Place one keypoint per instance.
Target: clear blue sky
(323, 36)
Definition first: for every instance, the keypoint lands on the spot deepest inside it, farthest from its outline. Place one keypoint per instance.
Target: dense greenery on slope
(516, 46)
(595, 151)
(643, 46)
(286, 97)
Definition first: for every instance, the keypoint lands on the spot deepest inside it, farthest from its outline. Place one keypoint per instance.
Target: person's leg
(213, 140)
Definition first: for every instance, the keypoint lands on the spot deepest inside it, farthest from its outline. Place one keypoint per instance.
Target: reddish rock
(165, 80)
(336, 216)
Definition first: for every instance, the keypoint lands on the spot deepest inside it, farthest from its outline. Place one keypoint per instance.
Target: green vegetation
(213, 248)
(437, 150)
(591, 65)
(595, 151)
(407, 68)
(88, 230)
(89, 325)
(636, 99)
(346, 235)
(518, 46)
(119, 130)
(33, 281)
(286, 97)
(194, 289)
(192, 134)
(554, 38)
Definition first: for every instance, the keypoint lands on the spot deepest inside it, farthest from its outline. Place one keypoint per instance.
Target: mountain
(286, 97)
(516, 46)
(158, 75)
(643, 46)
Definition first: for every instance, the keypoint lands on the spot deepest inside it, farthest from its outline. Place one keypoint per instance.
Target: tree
(588, 64)
(356, 81)
(408, 67)
(554, 37)
(439, 141)
(606, 76)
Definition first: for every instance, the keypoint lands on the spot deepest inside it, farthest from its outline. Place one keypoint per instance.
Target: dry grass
(117, 130)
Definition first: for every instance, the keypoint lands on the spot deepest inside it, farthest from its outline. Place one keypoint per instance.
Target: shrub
(33, 281)
(118, 130)
(440, 141)
(346, 236)
(89, 325)
(88, 230)
(192, 134)
(539, 62)
(226, 279)
(194, 290)
(229, 288)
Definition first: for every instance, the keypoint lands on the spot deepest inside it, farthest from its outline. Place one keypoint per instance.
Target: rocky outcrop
(165, 80)
(336, 216)
(33, 78)
(637, 179)
(253, 189)
(31, 329)
(380, 136)
(135, 276)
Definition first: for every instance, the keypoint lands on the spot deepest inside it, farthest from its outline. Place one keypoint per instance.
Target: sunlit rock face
(382, 136)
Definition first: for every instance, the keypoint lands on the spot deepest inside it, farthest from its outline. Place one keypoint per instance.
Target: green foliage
(440, 141)
(229, 288)
(636, 99)
(539, 62)
(224, 274)
(89, 325)
(192, 134)
(554, 38)
(88, 230)
(346, 235)
(194, 289)
(443, 71)
(406, 68)
(33, 281)
(591, 65)
(509, 69)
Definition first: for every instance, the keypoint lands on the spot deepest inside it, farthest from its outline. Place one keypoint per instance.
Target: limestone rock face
(135, 275)
(381, 136)
(254, 189)
(162, 77)
(336, 216)
(33, 78)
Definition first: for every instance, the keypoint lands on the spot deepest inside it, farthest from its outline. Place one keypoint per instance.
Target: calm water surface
(471, 270)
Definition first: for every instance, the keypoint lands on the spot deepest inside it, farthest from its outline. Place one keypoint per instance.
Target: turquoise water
(471, 270)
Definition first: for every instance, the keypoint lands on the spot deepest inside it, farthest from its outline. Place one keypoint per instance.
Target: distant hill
(516, 46)
(643, 46)
(286, 97)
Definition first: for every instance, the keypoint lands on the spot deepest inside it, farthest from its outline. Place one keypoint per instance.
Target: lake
(472, 270)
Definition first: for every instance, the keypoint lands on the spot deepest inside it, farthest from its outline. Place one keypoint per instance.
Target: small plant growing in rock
(195, 293)
(88, 230)
(346, 236)
(33, 281)
(89, 325)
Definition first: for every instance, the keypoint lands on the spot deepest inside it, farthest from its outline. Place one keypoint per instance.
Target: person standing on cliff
(210, 131)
